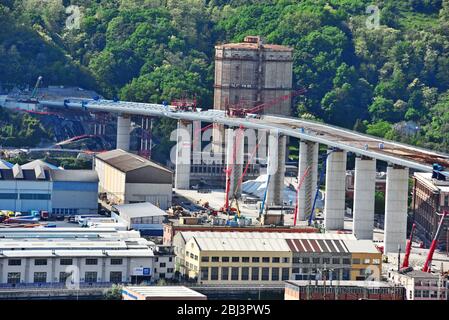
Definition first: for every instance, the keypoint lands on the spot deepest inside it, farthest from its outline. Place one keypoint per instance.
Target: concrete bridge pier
(183, 155)
(123, 131)
(308, 163)
(364, 196)
(235, 146)
(276, 168)
(334, 207)
(396, 204)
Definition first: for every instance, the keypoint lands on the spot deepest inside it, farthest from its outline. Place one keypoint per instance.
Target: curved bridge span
(380, 149)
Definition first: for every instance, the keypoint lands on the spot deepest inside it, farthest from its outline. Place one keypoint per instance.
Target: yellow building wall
(112, 181)
(371, 261)
(195, 265)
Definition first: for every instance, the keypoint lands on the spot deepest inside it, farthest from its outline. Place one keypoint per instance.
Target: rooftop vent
(39, 172)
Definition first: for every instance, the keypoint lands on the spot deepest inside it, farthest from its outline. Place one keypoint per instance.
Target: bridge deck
(396, 153)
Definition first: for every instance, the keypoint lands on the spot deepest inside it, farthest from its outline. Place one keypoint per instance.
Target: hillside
(391, 80)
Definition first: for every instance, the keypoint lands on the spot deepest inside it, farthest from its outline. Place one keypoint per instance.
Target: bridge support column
(364, 195)
(183, 155)
(334, 206)
(308, 164)
(123, 132)
(197, 139)
(396, 204)
(235, 146)
(276, 168)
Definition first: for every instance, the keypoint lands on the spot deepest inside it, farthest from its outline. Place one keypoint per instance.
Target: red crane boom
(408, 248)
(428, 265)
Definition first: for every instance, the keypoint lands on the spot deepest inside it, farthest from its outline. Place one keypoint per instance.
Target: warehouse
(128, 178)
(29, 257)
(41, 186)
(144, 217)
(271, 258)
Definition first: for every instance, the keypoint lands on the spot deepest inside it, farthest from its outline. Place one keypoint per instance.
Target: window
(305, 260)
(204, 273)
(13, 277)
(192, 256)
(14, 262)
(116, 261)
(215, 259)
(326, 260)
(214, 273)
(335, 260)
(276, 260)
(204, 259)
(63, 276)
(115, 277)
(285, 260)
(266, 259)
(265, 274)
(195, 257)
(8, 196)
(296, 260)
(285, 274)
(35, 196)
(40, 277)
(234, 273)
(316, 260)
(170, 259)
(366, 261)
(255, 274)
(256, 260)
(346, 261)
(245, 259)
(245, 273)
(162, 275)
(169, 270)
(275, 274)
(355, 261)
(90, 276)
(376, 261)
(66, 262)
(235, 259)
(91, 262)
(295, 270)
(425, 293)
(40, 262)
(225, 259)
(162, 265)
(225, 273)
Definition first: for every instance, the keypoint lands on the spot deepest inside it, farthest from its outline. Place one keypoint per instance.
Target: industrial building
(164, 262)
(34, 256)
(420, 285)
(128, 178)
(144, 217)
(161, 293)
(214, 258)
(41, 186)
(342, 290)
(430, 198)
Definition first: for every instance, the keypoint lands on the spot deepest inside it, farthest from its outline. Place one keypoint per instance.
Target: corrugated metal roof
(138, 210)
(217, 244)
(361, 246)
(125, 161)
(167, 291)
(74, 175)
(316, 245)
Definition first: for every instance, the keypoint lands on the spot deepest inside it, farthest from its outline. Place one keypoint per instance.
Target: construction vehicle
(33, 97)
(408, 248)
(428, 264)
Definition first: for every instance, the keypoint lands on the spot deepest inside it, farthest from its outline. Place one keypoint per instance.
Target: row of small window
(217, 169)
(41, 277)
(306, 260)
(169, 270)
(243, 274)
(65, 211)
(25, 196)
(245, 259)
(170, 259)
(63, 262)
(428, 294)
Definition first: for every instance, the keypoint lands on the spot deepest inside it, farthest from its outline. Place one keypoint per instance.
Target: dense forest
(389, 79)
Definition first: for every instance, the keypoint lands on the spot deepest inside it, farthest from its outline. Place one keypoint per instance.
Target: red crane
(428, 264)
(240, 112)
(408, 248)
